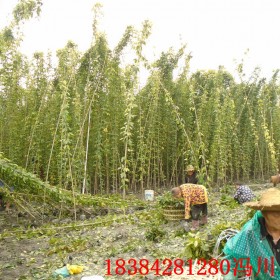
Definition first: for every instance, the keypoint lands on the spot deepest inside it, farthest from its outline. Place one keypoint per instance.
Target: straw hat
(190, 168)
(269, 201)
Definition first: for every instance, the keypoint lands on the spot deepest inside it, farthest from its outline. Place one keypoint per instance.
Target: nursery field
(82, 137)
(32, 249)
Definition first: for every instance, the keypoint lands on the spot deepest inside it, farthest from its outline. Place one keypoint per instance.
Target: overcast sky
(217, 32)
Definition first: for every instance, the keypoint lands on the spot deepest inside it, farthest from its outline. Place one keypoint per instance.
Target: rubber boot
(203, 220)
(195, 225)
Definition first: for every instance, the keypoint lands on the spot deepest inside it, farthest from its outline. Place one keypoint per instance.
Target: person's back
(243, 193)
(195, 193)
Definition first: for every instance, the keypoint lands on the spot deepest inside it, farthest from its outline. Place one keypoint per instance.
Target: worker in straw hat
(191, 175)
(256, 248)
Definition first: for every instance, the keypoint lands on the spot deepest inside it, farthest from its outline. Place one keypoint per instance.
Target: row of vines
(86, 123)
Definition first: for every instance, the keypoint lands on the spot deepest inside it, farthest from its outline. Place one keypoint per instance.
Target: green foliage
(88, 124)
(25, 9)
(61, 245)
(180, 233)
(131, 246)
(227, 189)
(154, 234)
(218, 228)
(234, 222)
(229, 201)
(28, 183)
(250, 213)
(197, 246)
(167, 200)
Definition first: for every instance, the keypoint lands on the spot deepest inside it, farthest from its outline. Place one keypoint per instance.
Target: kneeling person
(196, 200)
(243, 193)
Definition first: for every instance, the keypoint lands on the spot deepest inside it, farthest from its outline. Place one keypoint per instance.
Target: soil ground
(32, 250)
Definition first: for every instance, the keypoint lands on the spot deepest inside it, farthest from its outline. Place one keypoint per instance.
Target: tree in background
(88, 125)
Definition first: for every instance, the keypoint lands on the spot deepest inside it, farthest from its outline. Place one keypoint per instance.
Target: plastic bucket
(149, 195)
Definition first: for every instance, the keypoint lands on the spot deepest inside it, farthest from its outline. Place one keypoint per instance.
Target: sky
(216, 32)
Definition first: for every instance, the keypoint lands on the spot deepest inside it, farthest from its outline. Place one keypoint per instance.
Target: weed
(154, 234)
(197, 246)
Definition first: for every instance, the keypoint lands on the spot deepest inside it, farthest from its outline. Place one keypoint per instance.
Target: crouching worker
(196, 200)
(255, 249)
(243, 193)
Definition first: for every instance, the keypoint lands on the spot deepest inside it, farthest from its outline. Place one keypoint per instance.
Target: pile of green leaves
(229, 201)
(167, 200)
(28, 183)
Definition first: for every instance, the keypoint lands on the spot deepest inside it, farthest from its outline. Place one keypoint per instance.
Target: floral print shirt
(243, 194)
(193, 195)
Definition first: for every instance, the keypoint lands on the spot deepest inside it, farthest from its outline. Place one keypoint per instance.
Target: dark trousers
(197, 209)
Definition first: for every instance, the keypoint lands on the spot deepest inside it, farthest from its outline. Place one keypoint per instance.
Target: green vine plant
(197, 246)
(167, 200)
(106, 133)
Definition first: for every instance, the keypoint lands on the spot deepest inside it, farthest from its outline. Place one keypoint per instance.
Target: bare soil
(31, 250)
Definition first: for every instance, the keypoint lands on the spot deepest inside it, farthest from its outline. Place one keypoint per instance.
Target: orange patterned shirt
(193, 195)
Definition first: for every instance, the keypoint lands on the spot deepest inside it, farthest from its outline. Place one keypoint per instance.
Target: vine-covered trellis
(87, 125)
